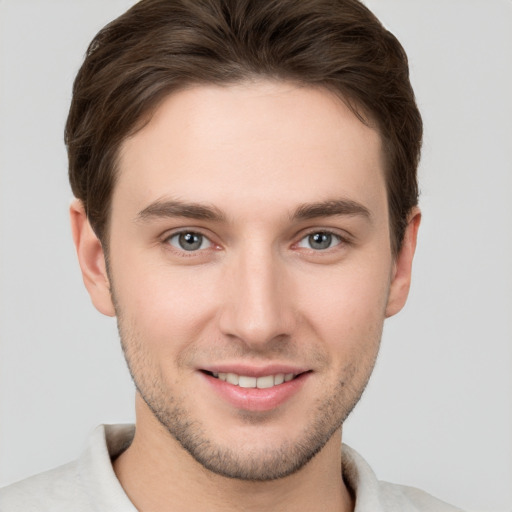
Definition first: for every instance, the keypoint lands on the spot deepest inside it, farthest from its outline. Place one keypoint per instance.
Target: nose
(258, 299)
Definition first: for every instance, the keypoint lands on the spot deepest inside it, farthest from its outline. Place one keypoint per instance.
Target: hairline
(355, 106)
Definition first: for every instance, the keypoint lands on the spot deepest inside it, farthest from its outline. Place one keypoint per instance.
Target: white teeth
(278, 379)
(244, 381)
(265, 382)
(232, 378)
(247, 382)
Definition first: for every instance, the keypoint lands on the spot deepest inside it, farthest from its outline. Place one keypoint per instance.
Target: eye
(320, 241)
(189, 241)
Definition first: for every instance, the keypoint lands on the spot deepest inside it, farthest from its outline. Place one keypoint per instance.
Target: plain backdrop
(438, 411)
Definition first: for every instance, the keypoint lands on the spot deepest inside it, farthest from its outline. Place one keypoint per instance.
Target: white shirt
(90, 484)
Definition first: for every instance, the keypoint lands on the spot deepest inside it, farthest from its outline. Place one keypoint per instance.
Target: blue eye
(320, 241)
(189, 241)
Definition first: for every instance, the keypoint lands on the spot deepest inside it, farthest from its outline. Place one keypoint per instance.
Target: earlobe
(401, 278)
(91, 259)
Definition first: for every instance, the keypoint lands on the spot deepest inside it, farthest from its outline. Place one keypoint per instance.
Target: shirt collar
(109, 441)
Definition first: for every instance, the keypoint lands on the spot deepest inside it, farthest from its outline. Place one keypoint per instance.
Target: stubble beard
(271, 463)
(253, 465)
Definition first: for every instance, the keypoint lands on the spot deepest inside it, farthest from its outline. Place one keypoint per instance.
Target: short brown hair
(160, 46)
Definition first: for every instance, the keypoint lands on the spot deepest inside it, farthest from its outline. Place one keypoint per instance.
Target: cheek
(165, 302)
(348, 303)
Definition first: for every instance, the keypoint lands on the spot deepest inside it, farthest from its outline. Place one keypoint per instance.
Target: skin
(257, 294)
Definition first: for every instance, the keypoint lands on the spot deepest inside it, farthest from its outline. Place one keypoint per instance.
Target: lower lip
(255, 399)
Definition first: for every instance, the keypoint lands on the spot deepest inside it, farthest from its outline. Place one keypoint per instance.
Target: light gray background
(438, 411)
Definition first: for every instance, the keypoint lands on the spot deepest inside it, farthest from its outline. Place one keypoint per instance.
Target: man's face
(249, 237)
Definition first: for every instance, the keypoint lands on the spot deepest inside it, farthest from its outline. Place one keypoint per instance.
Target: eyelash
(333, 237)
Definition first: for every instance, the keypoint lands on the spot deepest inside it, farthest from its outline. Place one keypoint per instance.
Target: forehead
(266, 141)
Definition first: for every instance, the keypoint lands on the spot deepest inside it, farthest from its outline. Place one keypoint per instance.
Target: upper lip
(253, 370)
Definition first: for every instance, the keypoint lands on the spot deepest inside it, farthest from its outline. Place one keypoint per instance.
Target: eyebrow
(176, 208)
(330, 208)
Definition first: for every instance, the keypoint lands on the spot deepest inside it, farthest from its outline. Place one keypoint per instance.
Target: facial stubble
(322, 420)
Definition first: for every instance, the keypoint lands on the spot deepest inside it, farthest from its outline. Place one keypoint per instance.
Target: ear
(92, 259)
(401, 276)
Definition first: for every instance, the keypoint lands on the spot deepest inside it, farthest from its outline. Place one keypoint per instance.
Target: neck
(155, 471)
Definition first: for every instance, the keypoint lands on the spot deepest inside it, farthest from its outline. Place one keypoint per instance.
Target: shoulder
(377, 496)
(89, 483)
(403, 498)
(57, 490)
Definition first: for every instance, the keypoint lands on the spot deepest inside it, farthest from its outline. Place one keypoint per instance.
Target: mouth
(256, 387)
(251, 382)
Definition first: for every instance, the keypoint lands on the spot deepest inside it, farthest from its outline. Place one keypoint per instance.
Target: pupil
(320, 240)
(190, 241)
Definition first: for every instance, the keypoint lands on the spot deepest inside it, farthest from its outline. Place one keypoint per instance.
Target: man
(245, 175)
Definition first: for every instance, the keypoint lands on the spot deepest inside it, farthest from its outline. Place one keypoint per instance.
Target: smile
(263, 382)
(256, 389)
